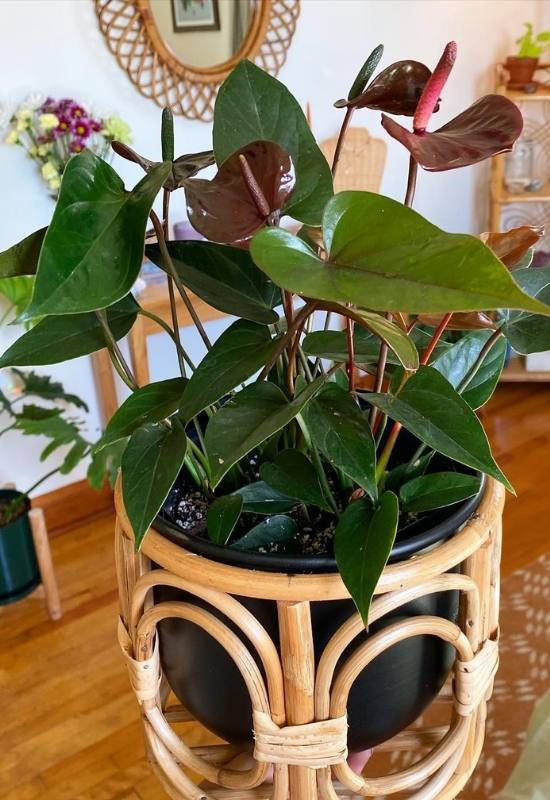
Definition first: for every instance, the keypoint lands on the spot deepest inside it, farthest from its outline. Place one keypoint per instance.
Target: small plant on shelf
(531, 45)
(285, 439)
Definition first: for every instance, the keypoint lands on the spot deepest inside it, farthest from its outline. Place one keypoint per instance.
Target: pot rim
(299, 564)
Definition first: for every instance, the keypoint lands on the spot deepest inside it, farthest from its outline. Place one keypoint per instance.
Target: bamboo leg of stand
(45, 563)
(299, 679)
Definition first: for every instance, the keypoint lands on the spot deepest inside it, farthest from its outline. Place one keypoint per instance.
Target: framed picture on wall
(195, 15)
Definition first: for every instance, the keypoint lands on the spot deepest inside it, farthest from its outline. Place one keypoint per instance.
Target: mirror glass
(203, 33)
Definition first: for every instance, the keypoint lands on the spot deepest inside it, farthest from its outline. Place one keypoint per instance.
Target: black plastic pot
(387, 696)
(19, 574)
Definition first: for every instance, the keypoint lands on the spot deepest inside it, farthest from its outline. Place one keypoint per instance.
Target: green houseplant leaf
(222, 517)
(438, 489)
(93, 249)
(292, 474)
(252, 105)
(342, 433)
(363, 542)
(43, 386)
(248, 419)
(224, 277)
(456, 363)
(278, 533)
(259, 498)
(106, 464)
(429, 407)
(239, 352)
(150, 465)
(151, 403)
(530, 333)
(22, 258)
(386, 257)
(69, 336)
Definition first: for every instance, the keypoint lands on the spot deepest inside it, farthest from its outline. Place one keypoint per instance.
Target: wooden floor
(69, 727)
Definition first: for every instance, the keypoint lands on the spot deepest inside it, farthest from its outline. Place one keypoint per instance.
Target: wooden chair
(362, 161)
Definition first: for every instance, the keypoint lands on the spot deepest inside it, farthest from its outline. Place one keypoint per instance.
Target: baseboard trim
(74, 504)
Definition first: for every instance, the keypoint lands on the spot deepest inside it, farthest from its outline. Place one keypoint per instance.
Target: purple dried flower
(64, 125)
(81, 127)
(49, 106)
(77, 145)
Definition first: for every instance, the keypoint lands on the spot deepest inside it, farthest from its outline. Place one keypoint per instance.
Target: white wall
(55, 47)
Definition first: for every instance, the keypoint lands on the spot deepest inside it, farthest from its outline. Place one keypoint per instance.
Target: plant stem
(379, 379)
(117, 358)
(411, 182)
(487, 347)
(166, 119)
(165, 327)
(341, 137)
(435, 339)
(300, 317)
(42, 479)
(9, 428)
(171, 270)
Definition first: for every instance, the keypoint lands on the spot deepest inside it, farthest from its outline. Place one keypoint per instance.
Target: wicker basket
(299, 710)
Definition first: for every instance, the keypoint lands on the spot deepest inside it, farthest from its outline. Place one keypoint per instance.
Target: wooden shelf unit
(516, 372)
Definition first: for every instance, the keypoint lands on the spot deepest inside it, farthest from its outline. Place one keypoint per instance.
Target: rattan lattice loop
(134, 39)
(299, 709)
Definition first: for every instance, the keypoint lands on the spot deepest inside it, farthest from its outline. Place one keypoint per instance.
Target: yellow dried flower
(48, 122)
(12, 137)
(49, 172)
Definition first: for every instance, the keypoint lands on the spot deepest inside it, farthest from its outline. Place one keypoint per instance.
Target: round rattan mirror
(178, 52)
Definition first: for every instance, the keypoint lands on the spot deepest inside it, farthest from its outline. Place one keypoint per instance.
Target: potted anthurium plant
(273, 452)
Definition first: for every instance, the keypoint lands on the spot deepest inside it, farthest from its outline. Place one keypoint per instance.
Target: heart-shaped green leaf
(342, 433)
(437, 490)
(458, 361)
(248, 419)
(363, 542)
(150, 465)
(22, 258)
(239, 352)
(106, 464)
(224, 277)
(93, 249)
(430, 408)
(222, 517)
(252, 105)
(259, 498)
(151, 403)
(276, 534)
(530, 333)
(402, 473)
(386, 257)
(292, 474)
(69, 336)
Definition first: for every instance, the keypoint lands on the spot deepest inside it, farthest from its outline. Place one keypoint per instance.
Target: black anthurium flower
(488, 127)
(396, 90)
(184, 167)
(250, 190)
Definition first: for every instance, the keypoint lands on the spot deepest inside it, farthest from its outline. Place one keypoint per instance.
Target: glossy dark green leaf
(222, 517)
(292, 474)
(488, 127)
(530, 333)
(46, 388)
(93, 249)
(276, 534)
(22, 258)
(224, 277)
(105, 464)
(236, 355)
(435, 413)
(18, 293)
(388, 332)
(252, 105)
(259, 498)
(515, 247)
(386, 257)
(151, 403)
(61, 338)
(437, 490)
(248, 419)
(396, 89)
(363, 542)
(150, 465)
(402, 473)
(458, 361)
(366, 72)
(223, 209)
(332, 345)
(342, 433)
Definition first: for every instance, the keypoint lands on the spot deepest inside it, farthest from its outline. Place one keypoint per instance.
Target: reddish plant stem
(379, 379)
(300, 318)
(435, 339)
(292, 351)
(350, 366)
(411, 182)
(341, 137)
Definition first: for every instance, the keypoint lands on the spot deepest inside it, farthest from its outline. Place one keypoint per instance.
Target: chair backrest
(361, 163)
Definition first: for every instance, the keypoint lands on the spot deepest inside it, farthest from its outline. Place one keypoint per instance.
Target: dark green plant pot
(19, 573)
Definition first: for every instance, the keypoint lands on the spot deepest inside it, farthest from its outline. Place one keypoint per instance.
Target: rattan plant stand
(299, 710)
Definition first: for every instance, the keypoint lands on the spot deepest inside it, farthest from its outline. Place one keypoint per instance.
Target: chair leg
(45, 563)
